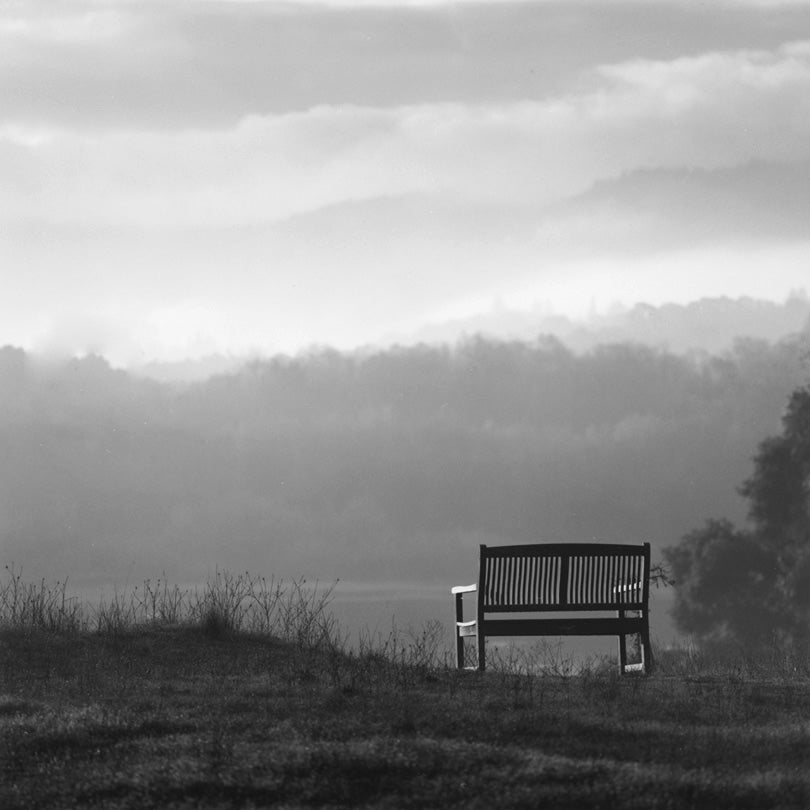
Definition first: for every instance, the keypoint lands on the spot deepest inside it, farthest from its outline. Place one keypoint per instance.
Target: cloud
(81, 24)
(715, 110)
(650, 211)
(167, 65)
(264, 169)
(768, 270)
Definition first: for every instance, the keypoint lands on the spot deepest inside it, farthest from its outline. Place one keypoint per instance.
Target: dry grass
(163, 707)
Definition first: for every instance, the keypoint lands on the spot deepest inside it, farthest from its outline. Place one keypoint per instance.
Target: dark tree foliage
(752, 586)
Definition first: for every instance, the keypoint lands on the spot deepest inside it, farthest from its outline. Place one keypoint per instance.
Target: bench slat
(562, 550)
(564, 627)
(575, 608)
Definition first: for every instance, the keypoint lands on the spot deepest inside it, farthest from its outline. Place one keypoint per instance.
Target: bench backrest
(564, 576)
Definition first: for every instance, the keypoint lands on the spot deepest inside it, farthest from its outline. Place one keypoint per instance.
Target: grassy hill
(202, 712)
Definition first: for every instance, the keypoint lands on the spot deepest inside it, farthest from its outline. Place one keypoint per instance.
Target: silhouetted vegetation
(752, 586)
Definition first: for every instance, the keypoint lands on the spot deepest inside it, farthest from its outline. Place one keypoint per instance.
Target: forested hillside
(376, 466)
(711, 324)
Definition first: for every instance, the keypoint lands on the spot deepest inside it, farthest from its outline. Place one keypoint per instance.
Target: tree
(752, 586)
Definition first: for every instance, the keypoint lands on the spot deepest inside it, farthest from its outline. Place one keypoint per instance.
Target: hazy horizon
(385, 469)
(705, 325)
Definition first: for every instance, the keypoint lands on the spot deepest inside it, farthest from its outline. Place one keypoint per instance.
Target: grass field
(209, 710)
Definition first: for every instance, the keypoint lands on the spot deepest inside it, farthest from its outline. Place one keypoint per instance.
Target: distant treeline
(376, 465)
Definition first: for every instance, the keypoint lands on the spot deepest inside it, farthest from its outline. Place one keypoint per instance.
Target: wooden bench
(560, 578)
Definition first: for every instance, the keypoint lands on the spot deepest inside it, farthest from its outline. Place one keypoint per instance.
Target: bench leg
(482, 653)
(622, 648)
(646, 647)
(459, 638)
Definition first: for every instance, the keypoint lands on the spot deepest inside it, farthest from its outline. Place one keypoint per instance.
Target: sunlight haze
(178, 179)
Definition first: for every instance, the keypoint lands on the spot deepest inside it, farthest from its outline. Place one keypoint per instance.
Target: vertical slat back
(563, 576)
(521, 580)
(606, 579)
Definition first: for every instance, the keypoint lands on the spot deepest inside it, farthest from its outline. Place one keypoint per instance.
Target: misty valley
(382, 469)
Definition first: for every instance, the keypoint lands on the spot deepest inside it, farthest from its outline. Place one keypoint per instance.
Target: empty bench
(563, 578)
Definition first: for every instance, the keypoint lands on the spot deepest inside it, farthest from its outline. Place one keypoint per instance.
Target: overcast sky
(181, 177)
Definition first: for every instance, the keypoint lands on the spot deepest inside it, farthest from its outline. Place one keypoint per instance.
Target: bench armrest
(464, 589)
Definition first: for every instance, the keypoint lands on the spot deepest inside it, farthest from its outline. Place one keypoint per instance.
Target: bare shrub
(40, 606)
